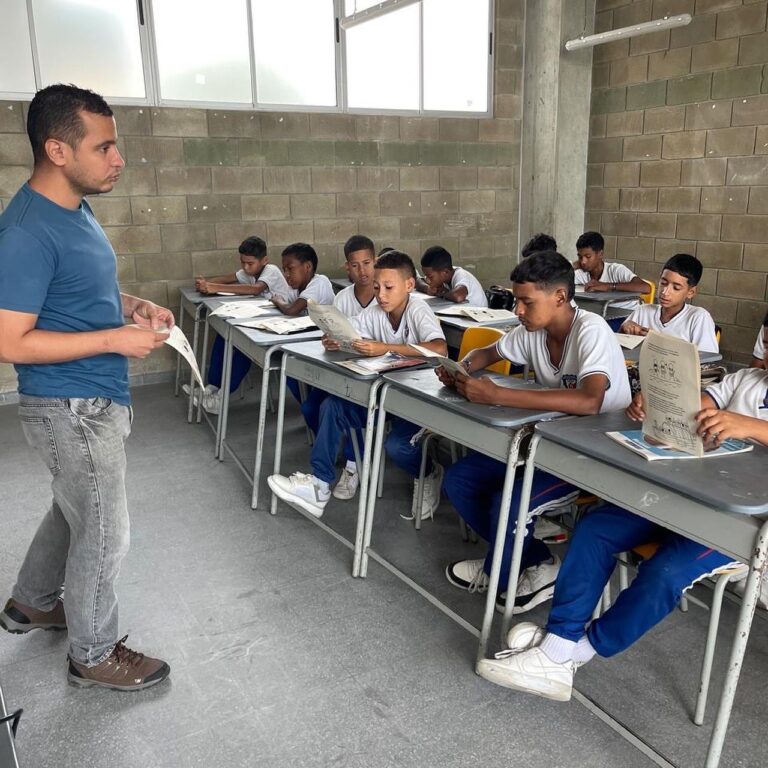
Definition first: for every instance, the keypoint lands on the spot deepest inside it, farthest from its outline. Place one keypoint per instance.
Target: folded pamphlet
(653, 450)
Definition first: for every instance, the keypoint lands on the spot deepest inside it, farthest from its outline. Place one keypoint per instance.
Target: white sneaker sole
(547, 689)
(295, 501)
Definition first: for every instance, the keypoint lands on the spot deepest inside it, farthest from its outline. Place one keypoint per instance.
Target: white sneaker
(346, 488)
(531, 671)
(300, 490)
(549, 531)
(468, 574)
(524, 635)
(739, 586)
(212, 401)
(433, 484)
(535, 586)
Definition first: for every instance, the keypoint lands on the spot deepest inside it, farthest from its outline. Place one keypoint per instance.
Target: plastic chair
(718, 334)
(721, 578)
(649, 298)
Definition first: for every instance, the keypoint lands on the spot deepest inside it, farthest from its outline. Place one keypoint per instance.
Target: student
(442, 279)
(758, 353)
(360, 255)
(678, 283)
(390, 324)
(544, 661)
(256, 277)
(300, 268)
(577, 358)
(597, 275)
(539, 242)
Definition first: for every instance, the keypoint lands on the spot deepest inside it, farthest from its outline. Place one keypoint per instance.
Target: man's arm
(22, 343)
(635, 285)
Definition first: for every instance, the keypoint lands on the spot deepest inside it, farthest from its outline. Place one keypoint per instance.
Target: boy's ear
(692, 291)
(410, 283)
(561, 295)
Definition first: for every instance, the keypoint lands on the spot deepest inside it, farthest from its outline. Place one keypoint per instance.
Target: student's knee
(398, 446)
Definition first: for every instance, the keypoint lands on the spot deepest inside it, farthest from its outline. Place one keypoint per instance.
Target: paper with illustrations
(179, 342)
(629, 340)
(281, 325)
(478, 314)
(333, 323)
(242, 308)
(436, 361)
(670, 380)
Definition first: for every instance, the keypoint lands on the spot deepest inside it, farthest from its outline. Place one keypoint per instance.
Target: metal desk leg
(263, 403)
(203, 357)
(178, 357)
(366, 483)
(226, 378)
(747, 612)
(279, 429)
(371, 501)
(192, 382)
(498, 549)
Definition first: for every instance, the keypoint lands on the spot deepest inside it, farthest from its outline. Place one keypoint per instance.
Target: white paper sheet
(179, 342)
(242, 308)
(333, 323)
(629, 340)
(280, 325)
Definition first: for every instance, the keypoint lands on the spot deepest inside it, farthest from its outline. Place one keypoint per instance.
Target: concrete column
(556, 105)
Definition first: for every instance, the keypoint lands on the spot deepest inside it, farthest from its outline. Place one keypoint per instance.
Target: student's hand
(136, 341)
(330, 344)
(636, 409)
(481, 390)
(150, 315)
(595, 286)
(715, 426)
(447, 379)
(432, 290)
(201, 284)
(369, 348)
(633, 329)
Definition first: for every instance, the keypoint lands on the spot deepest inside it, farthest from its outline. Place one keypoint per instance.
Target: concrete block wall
(678, 157)
(197, 182)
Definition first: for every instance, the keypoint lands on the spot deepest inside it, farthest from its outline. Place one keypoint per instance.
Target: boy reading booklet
(442, 279)
(543, 660)
(300, 270)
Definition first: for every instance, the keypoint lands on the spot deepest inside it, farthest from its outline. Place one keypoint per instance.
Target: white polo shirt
(759, 350)
(318, 289)
(690, 324)
(613, 272)
(417, 325)
(591, 347)
(475, 294)
(744, 392)
(272, 276)
(346, 302)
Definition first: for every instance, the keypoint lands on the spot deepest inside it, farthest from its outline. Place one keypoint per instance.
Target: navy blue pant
(616, 322)
(653, 594)
(310, 409)
(337, 417)
(240, 366)
(474, 486)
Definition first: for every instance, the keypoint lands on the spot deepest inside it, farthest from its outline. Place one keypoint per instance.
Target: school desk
(601, 301)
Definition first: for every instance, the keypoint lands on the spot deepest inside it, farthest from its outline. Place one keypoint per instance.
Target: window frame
(148, 43)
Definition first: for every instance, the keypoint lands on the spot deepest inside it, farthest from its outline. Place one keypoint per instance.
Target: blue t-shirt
(58, 264)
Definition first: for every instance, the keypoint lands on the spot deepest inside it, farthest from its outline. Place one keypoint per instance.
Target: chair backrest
(482, 337)
(718, 334)
(649, 298)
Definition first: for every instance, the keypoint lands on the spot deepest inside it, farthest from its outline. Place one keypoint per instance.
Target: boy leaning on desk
(579, 362)
(391, 324)
(543, 660)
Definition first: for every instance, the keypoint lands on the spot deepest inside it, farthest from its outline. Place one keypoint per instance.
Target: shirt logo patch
(568, 381)
(765, 401)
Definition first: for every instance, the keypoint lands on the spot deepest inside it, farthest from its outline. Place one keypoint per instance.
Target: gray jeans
(85, 535)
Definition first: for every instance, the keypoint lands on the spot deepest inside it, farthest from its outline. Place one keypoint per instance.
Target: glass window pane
(90, 43)
(295, 52)
(202, 50)
(355, 6)
(383, 61)
(16, 72)
(456, 60)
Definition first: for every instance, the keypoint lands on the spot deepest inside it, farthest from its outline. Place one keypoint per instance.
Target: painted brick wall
(678, 156)
(197, 182)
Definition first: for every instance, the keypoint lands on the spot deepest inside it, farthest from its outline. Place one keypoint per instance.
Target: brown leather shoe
(19, 619)
(122, 670)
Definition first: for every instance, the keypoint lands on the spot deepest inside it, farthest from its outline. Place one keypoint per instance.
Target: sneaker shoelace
(125, 655)
(479, 582)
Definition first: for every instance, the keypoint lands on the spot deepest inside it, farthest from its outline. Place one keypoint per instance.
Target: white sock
(322, 486)
(557, 648)
(583, 652)
(351, 467)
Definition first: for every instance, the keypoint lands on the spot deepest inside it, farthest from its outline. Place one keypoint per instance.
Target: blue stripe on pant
(474, 486)
(653, 594)
(337, 417)
(240, 366)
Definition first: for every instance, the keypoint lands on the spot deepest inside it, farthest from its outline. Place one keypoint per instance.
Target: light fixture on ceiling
(374, 12)
(668, 22)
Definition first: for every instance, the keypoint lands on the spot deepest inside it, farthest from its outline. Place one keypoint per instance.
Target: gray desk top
(732, 483)
(195, 297)
(266, 339)
(315, 352)
(424, 385)
(704, 357)
(604, 297)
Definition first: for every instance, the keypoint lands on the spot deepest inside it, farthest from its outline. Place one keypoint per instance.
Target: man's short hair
(358, 243)
(686, 265)
(54, 113)
(398, 260)
(593, 240)
(539, 242)
(548, 269)
(253, 246)
(301, 252)
(436, 257)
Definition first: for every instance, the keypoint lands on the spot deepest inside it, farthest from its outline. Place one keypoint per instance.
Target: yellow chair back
(649, 298)
(474, 338)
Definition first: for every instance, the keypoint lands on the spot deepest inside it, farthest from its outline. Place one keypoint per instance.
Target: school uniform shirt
(417, 325)
(690, 324)
(744, 392)
(272, 276)
(590, 348)
(346, 302)
(759, 350)
(613, 272)
(475, 294)
(318, 289)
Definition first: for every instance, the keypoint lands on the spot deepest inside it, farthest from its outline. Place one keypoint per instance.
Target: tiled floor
(280, 658)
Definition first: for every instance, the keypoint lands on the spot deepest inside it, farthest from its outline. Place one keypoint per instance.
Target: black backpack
(500, 298)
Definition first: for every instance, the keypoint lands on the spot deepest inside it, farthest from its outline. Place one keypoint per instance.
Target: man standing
(62, 325)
